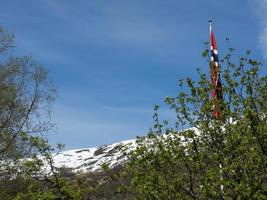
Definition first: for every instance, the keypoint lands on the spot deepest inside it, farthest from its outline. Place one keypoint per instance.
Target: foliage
(213, 159)
(26, 95)
(27, 169)
(47, 181)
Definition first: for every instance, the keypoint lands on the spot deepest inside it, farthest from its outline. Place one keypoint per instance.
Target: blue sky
(113, 60)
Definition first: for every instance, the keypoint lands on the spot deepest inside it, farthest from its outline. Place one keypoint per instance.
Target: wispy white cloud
(259, 8)
(92, 24)
(97, 22)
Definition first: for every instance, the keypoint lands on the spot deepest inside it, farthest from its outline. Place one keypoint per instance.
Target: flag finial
(210, 21)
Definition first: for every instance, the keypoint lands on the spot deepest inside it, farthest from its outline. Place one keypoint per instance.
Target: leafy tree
(26, 97)
(27, 169)
(213, 159)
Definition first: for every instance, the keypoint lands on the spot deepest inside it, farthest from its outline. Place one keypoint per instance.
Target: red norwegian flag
(216, 92)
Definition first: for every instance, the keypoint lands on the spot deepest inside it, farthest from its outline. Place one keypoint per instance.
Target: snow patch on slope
(92, 159)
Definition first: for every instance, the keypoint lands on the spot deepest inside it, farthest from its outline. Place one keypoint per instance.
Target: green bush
(213, 159)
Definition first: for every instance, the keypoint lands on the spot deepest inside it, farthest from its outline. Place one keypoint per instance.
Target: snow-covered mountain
(92, 159)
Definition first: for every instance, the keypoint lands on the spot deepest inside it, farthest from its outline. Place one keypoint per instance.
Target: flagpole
(220, 166)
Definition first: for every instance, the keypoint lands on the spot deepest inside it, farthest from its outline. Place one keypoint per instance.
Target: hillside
(92, 159)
